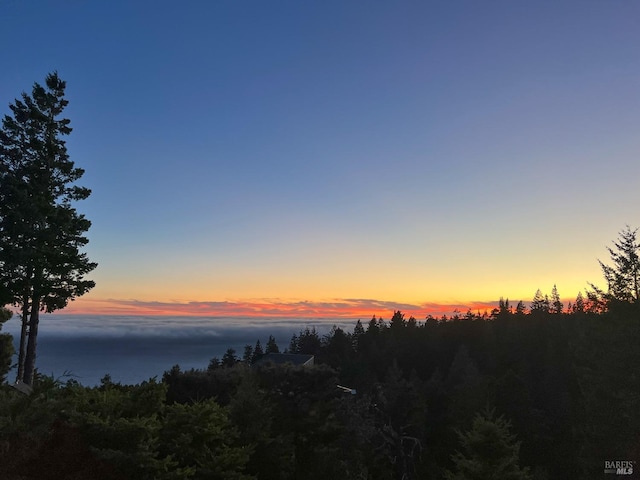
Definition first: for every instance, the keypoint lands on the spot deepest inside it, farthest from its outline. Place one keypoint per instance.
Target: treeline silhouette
(565, 380)
(566, 383)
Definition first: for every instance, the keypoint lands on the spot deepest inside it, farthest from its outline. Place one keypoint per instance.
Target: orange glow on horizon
(333, 308)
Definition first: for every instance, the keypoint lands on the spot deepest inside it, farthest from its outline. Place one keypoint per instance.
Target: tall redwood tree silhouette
(42, 266)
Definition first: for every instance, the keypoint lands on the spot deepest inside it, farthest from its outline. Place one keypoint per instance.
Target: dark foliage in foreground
(560, 386)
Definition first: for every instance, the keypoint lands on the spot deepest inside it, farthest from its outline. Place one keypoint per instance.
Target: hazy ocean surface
(135, 348)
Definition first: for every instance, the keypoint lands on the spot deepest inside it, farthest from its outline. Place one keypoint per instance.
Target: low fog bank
(134, 349)
(106, 325)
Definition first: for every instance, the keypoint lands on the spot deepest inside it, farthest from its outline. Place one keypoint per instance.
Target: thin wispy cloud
(330, 308)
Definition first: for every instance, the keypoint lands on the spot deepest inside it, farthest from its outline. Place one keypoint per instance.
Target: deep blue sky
(290, 150)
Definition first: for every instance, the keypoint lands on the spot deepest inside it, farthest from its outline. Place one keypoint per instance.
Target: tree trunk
(30, 360)
(23, 338)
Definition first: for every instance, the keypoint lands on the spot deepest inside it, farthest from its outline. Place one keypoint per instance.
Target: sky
(340, 158)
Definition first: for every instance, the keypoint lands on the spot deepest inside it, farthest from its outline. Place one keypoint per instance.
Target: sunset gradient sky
(335, 158)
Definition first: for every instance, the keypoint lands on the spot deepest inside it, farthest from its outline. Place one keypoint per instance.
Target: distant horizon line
(342, 308)
(347, 308)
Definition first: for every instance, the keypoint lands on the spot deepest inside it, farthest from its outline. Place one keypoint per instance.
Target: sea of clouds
(135, 348)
